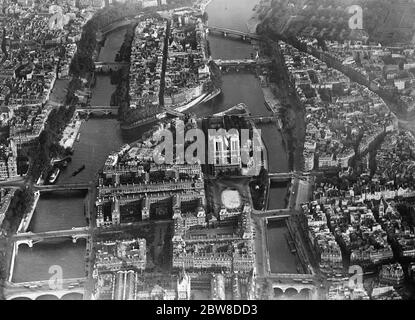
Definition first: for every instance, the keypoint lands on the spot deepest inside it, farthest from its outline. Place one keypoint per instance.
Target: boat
(78, 171)
(78, 137)
(54, 176)
(291, 244)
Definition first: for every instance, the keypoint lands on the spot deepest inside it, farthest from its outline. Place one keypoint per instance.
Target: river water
(58, 211)
(33, 264)
(63, 211)
(99, 137)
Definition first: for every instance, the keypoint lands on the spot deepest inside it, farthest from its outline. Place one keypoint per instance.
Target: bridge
(107, 67)
(276, 213)
(235, 33)
(271, 119)
(172, 112)
(114, 26)
(281, 176)
(44, 289)
(31, 238)
(292, 284)
(242, 62)
(140, 123)
(58, 161)
(99, 109)
(63, 187)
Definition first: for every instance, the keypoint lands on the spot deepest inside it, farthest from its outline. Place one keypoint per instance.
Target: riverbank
(203, 4)
(24, 225)
(252, 24)
(206, 97)
(71, 132)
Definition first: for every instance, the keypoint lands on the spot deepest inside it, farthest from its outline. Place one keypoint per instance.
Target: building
(121, 254)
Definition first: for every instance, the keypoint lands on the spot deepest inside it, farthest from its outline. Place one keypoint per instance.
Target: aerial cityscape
(207, 150)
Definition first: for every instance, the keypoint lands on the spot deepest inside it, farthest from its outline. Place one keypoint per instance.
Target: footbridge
(235, 33)
(47, 290)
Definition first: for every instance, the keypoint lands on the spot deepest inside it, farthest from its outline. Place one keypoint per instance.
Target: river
(245, 88)
(63, 211)
(99, 137)
(33, 264)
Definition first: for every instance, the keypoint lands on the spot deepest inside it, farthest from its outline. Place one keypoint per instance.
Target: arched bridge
(64, 187)
(43, 289)
(107, 67)
(31, 238)
(230, 32)
(287, 284)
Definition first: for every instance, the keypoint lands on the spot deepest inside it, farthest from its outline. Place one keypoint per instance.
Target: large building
(215, 249)
(224, 151)
(131, 285)
(117, 255)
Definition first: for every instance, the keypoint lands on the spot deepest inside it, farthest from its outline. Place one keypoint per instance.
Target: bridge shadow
(48, 296)
(72, 296)
(292, 294)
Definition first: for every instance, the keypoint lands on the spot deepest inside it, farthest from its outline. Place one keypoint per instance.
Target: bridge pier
(75, 238)
(29, 242)
(294, 289)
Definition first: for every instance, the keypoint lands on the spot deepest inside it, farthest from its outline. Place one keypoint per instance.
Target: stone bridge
(30, 238)
(292, 284)
(44, 290)
(64, 187)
